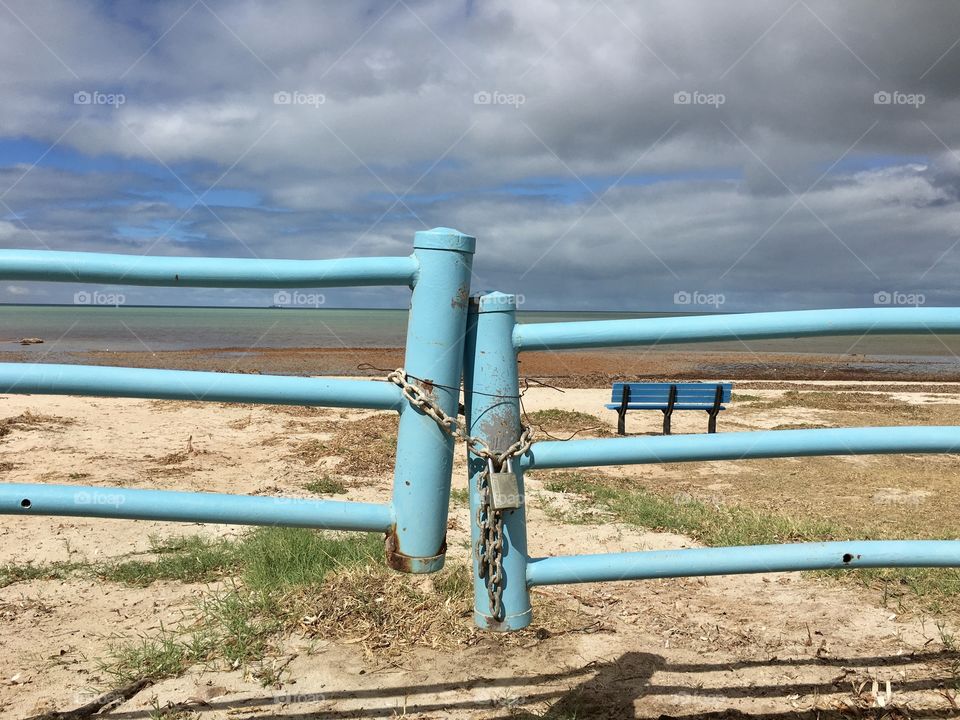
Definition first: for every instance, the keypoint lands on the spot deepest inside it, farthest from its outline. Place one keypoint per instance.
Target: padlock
(504, 488)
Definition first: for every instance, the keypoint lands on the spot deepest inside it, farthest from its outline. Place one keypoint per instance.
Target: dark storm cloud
(783, 154)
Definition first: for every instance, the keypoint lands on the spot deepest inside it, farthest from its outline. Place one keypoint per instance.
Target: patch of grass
(282, 557)
(190, 558)
(240, 623)
(264, 558)
(935, 590)
(455, 583)
(325, 485)
(931, 590)
(460, 496)
(237, 624)
(12, 573)
(570, 513)
(711, 524)
(148, 657)
(313, 584)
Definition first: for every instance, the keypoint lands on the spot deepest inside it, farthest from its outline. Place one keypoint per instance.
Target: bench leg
(666, 421)
(712, 425)
(715, 410)
(621, 422)
(668, 412)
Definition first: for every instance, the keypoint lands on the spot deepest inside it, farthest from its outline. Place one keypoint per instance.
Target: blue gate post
(434, 362)
(491, 399)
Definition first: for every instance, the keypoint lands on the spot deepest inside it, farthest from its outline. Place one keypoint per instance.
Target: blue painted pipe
(748, 326)
(743, 446)
(58, 266)
(695, 562)
(99, 381)
(110, 502)
(492, 404)
(434, 360)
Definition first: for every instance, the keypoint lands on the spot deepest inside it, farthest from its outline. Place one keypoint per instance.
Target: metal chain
(489, 549)
(452, 425)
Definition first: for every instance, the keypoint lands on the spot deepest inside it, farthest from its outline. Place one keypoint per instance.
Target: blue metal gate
(450, 336)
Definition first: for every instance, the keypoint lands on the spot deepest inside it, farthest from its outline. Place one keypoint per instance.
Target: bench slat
(657, 406)
(660, 392)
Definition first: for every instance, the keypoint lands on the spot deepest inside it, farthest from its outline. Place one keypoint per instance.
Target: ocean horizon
(155, 328)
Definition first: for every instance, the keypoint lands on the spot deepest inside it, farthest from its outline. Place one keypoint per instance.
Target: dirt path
(774, 646)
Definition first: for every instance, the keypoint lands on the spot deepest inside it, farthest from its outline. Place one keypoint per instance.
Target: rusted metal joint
(408, 564)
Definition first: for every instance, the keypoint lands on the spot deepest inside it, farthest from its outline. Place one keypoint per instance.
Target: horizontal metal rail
(121, 503)
(743, 446)
(58, 266)
(104, 381)
(695, 562)
(748, 326)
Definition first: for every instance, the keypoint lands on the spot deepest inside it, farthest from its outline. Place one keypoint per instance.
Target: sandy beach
(677, 647)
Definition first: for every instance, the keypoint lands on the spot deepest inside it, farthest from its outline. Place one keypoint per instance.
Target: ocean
(67, 329)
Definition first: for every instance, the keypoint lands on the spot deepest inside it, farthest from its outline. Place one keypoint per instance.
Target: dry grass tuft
(365, 447)
(181, 456)
(175, 405)
(556, 420)
(389, 614)
(174, 458)
(294, 410)
(310, 452)
(241, 423)
(33, 421)
(840, 402)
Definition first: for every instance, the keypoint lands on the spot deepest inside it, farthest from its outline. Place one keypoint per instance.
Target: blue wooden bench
(668, 397)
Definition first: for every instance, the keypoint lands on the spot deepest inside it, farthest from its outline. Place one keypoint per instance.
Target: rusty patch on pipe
(396, 560)
(461, 299)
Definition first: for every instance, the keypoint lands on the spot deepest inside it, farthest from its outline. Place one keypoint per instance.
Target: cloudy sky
(607, 154)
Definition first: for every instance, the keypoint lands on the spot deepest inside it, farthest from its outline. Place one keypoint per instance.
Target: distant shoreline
(566, 369)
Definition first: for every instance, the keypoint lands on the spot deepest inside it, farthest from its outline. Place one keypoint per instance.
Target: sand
(765, 645)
